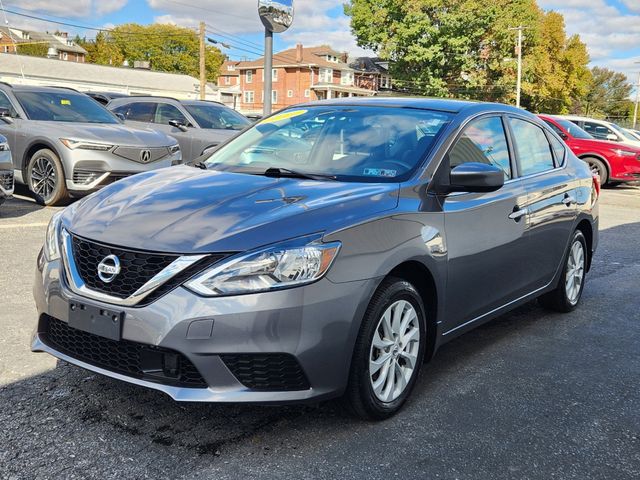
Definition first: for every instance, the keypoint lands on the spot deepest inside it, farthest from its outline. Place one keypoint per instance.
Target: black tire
(597, 166)
(360, 398)
(52, 190)
(558, 299)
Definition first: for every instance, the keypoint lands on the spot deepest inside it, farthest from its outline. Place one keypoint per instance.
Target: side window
(140, 112)
(5, 103)
(555, 128)
(558, 150)
(483, 141)
(598, 131)
(166, 112)
(532, 147)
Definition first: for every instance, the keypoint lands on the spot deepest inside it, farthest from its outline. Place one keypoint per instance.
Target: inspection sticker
(379, 172)
(64, 101)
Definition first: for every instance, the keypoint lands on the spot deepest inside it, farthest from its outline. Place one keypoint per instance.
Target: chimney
(299, 53)
(344, 56)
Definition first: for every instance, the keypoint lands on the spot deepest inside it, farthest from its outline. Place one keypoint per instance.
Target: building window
(274, 74)
(307, 93)
(274, 96)
(248, 97)
(231, 68)
(326, 75)
(249, 76)
(227, 80)
(384, 81)
(289, 93)
(6, 49)
(64, 55)
(346, 77)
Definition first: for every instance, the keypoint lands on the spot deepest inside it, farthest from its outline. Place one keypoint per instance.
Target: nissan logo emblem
(145, 156)
(108, 268)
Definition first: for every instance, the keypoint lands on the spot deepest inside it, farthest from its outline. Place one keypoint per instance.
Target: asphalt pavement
(531, 395)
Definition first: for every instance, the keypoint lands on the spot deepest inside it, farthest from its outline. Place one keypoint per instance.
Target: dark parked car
(6, 171)
(105, 97)
(613, 162)
(290, 270)
(199, 126)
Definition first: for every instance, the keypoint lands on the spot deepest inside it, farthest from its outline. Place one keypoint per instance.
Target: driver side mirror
(563, 135)
(612, 137)
(121, 116)
(476, 177)
(178, 124)
(5, 115)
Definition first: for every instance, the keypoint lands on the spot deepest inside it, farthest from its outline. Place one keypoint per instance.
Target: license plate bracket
(100, 321)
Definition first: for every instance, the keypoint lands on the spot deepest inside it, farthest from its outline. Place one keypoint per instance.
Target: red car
(613, 162)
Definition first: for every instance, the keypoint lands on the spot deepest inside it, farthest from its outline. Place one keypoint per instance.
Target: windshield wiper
(278, 172)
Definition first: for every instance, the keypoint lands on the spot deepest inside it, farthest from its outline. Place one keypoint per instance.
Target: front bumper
(315, 324)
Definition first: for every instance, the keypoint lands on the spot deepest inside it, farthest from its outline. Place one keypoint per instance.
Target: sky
(610, 28)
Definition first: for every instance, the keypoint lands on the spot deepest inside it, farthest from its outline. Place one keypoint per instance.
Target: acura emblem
(145, 156)
(108, 268)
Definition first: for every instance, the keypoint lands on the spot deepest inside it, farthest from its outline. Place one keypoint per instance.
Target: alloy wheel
(575, 272)
(43, 177)
(394, 351)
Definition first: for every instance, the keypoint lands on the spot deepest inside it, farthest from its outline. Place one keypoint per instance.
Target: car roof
(37, 88)
(585, 119)
(440, 104)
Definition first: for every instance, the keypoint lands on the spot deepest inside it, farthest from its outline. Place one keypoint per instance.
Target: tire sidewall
(390, 293)
(602, 169)
(60, 190)
(577, 236)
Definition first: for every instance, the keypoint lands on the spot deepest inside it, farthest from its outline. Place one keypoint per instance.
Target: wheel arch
(586, 228)
(597, 156)
(419, 275)
(36, 145)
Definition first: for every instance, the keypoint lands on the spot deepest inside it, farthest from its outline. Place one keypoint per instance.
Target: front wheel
(566, 296)
(45, 178)
(389, 351)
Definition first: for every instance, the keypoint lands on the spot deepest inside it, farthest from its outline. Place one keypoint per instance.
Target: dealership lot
(530, 395)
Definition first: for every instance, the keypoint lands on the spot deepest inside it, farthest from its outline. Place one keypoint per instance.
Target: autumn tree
(103, 50)
(33, 49)
(607, 95)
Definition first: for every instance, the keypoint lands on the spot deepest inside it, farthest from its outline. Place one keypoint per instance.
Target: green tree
(33, 49)
(168, 48)
(103, 50)
(607, 95)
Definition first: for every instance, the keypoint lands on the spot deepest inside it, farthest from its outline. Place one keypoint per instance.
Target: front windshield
(352, 143)
(572, 129)
(215, 116)
(63, 106)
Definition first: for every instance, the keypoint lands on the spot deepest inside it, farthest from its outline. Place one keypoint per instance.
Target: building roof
(52, 70)
(311, 56)
(368, 64)
(58, 42)
(229, 68)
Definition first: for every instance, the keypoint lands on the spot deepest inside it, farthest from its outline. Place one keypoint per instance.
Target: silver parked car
(197, 125)
(6, 170)
(326, 251)
(66, 144)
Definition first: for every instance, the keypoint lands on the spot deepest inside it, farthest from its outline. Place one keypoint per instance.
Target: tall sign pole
(519, 52)
(635, 108)
(203, 70)
(276, 16)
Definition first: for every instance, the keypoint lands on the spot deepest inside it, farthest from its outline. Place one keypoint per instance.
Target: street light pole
(519, 48)
(635, 108)
(268, 66)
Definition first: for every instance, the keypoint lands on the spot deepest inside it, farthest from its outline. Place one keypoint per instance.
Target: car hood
(188, 210)
(116, 134)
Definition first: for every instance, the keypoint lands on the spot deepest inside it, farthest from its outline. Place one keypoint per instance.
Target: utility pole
(268, 67)
(203, 70)
(635, 108)
(519, 51)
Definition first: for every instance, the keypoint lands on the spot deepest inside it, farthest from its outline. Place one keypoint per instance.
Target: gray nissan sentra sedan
(327, 251)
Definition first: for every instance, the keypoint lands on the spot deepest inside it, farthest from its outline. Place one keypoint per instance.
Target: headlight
(173, 149)
(285, 265)
(624, 153)
(4, 147)
(80, 145)
(52, 238)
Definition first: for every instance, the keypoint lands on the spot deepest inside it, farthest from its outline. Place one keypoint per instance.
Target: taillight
(596, 184)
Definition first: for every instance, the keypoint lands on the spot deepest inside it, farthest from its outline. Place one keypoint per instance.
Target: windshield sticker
(283, 116)
(64, 101)
(379, 172)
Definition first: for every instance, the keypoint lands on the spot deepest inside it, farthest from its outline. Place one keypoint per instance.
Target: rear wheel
(566, 296)
(45, 178)
(389, 351)
(598, 167)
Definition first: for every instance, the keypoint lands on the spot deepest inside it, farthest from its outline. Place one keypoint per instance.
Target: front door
(485, 232)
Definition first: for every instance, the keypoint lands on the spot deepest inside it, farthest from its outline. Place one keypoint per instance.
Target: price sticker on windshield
(64, 101)
(283, 116)
(379, 172)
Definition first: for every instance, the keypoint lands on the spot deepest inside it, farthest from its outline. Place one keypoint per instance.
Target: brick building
(299, 75)
(58, 44)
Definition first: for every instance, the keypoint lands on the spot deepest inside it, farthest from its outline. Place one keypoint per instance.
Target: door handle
(568, 200)
(518, 213)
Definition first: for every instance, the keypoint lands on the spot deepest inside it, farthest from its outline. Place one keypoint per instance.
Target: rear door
(485, 232)
(551, 198)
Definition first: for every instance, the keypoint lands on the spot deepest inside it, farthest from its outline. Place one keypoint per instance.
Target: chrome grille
(6, 180)
(137, 154)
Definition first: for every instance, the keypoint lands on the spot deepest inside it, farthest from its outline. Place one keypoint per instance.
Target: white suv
(603, 130)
